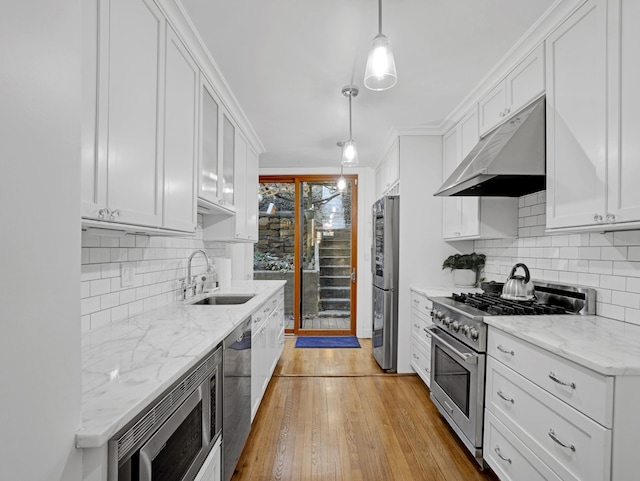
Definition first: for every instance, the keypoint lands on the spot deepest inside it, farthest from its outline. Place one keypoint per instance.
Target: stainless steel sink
(223, 300)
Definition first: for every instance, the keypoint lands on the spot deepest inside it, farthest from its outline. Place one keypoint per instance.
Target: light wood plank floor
(332, 414)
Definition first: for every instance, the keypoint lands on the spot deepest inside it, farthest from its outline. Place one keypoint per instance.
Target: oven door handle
(467, 357)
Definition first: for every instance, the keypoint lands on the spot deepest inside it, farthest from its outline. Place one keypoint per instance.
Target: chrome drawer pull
(553, 436)
(554, 378)
(506, 351)
(508, 399)
(499, 453)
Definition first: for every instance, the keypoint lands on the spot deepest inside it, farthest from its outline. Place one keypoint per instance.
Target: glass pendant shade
(349, 154)
(380, 73)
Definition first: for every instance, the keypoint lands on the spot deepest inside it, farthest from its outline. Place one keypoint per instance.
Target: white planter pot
(464, 277)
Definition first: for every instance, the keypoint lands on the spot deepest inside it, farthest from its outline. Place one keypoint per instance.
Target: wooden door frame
(297, 180)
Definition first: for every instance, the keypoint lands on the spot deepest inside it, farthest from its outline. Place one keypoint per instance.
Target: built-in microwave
(171, 439)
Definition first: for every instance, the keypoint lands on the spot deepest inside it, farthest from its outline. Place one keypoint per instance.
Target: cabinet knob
(597, 218)
(102, 213)
(501, 114)
(611, 218)
(508, 111)
(115, 214)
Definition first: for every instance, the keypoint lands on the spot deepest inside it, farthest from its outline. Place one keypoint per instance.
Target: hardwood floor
(332, 414)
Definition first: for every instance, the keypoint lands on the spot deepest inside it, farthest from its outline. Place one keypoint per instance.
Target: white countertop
(609, 347)
(606, 346)
(127, 364)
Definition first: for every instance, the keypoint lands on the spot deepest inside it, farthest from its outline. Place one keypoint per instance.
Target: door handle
(353, 275)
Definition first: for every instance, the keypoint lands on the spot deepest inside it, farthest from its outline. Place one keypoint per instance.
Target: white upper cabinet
(467, 217)
(388, 170)
(523, 84)
(209, 153)
(180, 142)
(124, 177)
(228, 160)
(243, 226)
(623, 200)
(592, 93)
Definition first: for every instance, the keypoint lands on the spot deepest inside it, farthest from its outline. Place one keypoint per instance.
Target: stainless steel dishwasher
(236, 392)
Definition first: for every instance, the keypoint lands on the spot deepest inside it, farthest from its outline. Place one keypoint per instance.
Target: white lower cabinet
(212, 468)
(266, 330)
(509, 458)
(549, 418)
(420, 336)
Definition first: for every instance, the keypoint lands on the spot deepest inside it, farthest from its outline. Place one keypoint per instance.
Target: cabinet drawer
(419, 327)
(421, 361)
(508, 457)
(421, 303)
(544, 423)
(585, 390)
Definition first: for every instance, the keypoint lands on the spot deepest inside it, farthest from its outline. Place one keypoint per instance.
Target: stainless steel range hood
(508, 162)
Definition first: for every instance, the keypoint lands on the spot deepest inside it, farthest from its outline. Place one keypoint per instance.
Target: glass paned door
(327, 284)
(307, 237)
(274, 254)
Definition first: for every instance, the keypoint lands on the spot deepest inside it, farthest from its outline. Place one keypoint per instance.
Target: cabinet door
(452, 206)
(526, 81)
(94, 103)
(576, 118)
(136, 30)
(380, 180)
(252, 194)
(469, 206)
(492, 108)
(240, 181)
(181, 99)
(228, 161)
(624, 123)
(209, 145)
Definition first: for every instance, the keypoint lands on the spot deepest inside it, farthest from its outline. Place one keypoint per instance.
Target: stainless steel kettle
(518, 288)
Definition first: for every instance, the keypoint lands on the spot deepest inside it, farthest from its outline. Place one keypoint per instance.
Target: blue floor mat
(327, 341)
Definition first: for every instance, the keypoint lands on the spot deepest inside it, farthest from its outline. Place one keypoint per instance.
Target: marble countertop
(127, 364)
(609, 347)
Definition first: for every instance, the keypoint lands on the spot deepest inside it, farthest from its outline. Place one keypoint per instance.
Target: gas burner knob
(474, 334)
(447, 321)
(439, 315)
(466, 330)
(455, 325)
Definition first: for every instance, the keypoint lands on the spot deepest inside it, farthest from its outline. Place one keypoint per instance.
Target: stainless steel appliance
(507, 162)
(171, 439)
(384, 263)
(459, 346)
(236, 406)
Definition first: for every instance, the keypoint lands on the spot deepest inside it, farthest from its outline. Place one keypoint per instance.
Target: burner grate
(493, 304)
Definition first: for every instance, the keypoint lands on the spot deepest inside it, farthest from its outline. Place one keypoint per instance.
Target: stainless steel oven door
(178, 448)
(457, 387)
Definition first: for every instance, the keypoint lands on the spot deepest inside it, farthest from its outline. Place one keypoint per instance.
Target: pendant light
(342, 182)
(349, 151)
(380, 73)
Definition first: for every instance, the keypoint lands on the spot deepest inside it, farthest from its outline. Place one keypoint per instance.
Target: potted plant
(465, 268)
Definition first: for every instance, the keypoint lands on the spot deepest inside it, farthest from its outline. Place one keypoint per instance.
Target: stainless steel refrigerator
(384, 264)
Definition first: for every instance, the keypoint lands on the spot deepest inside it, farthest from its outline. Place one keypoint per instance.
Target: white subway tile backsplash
(600, 267)
(159, 264)
(626, 299)
(632, 316)
(609, 262)
(101, 286)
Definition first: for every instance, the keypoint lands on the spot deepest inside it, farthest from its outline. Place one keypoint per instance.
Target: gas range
(462, 315)
(459, 346)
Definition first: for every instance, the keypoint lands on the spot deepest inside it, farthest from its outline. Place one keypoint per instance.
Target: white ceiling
(287, 61)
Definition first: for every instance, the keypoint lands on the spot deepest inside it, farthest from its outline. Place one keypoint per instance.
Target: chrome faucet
(191, 282)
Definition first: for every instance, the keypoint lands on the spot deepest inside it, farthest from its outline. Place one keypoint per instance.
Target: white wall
(609, 262)
(40, 92)
(366, 197)
(422, 249)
